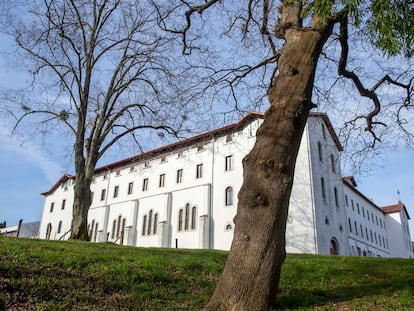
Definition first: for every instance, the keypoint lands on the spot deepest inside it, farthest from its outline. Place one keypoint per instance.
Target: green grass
(57, 275)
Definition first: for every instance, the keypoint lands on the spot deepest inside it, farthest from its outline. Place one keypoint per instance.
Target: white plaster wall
(365, 214)
(58, 214)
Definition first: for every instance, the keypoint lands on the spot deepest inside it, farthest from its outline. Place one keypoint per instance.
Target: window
(116, 190)
(228, 227)
(52, 206)
(118, 226)
(323, 188)
(346, 200)
(229, 138)
(350, 226)
(123, 225)
(356, 228)
(187, 216)
(193, 217)
(132, 169)
(363, 212)
(144, 225)
(199, 171)
(145, 184)
(163, 159)
(200, 148)
(333, 163)
(362, 232)
(118, 173)
(180, 220)
(103, 194)
(149, 222)
(130, 187)
(162, 180)
(366, 233)
(63, 204)
(104, 177)
(352, 204)
(113, 229)
(229, 196)
(320, 151)
(180, 154)
(154, 230)
(229, 163)
(336, 197)
(146, 163)
(59, 227)
(96, 232)
(179, 176)
(358, 209)
(368, 215)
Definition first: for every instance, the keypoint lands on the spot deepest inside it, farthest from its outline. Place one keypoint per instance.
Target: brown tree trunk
(251, 276)
(81, 203)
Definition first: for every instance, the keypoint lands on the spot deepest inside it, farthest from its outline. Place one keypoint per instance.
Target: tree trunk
(251, 276)
(81, 203)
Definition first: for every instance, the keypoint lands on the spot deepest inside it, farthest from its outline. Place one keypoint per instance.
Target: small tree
(102, 69)
(292, 35)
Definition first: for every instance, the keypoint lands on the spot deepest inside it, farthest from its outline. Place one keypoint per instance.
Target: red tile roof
(197, 138)
(396, 208)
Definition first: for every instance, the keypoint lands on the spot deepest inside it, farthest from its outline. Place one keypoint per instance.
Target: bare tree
(104, 71)
(292, 36)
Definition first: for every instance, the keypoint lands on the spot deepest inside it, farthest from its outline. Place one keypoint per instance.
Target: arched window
(193, 217)
(228, 227)
(187, 216)
(323, 188)
(154, 231)
(113, 229)
(149, 222)
(123, 225)
(118, 226)
(180, 220)
(144, 225)
(48, 230)
(59, 227)
(229, 196)
(96, 232)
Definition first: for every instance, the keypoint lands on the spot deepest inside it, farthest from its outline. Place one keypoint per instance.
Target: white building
(185, 195)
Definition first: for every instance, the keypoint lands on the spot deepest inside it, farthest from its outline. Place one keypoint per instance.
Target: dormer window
(163, 159)
(146, 163)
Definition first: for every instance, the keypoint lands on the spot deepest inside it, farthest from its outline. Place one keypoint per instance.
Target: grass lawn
(61, 275)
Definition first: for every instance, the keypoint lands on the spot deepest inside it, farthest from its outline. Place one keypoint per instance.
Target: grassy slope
(55, 275)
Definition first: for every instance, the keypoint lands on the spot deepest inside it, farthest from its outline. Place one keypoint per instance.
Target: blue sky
(28, 168)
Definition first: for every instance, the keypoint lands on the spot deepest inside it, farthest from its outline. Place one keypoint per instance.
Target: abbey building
(184, 195)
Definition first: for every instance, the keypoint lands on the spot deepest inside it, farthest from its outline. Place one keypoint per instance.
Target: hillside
(56, 275)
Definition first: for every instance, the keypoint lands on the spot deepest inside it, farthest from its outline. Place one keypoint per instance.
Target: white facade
(185, 194)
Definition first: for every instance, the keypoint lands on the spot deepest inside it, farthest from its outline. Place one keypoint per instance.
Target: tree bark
(251, 276)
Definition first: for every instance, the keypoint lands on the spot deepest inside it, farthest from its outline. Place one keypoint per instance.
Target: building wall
(366, 225)
(186, 197)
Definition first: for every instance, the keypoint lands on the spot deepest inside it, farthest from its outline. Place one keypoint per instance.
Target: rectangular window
(146, 163)
(179, 176)
(103, 194)
(52, 206)
(63, 204)
(118, 173)
(162, 180)
(145, 184)
(229, 138)
(163, 159)
(180, 154)
(116, 190)
(130, 187)
(346, 200)
(229, 163)
(199, 172)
